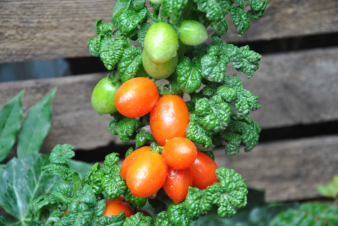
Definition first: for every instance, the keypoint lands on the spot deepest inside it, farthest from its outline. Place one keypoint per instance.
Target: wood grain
(38, 29)
(289, 170)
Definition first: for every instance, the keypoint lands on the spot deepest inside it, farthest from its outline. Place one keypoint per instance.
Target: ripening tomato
(179, 153)
(136, 97)
(159, 71)
(130, 159)
(145, 213)
(177, 184)
(203, 171)
(118, 199)
(103, 96)
(146, 174)
(169, 118)
(115, 207)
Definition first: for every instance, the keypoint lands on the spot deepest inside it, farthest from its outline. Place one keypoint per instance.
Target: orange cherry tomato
(136, 97)
(145, 213)
(179, 153)
(130, 159)
(115, 207)
(146, 174)
(169, 118)
(177, 184)
(203, 171)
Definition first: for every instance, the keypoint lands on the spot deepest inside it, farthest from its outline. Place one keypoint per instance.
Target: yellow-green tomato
(156, 2)
(103, 96)
(192, 32)
(161, 42)
(159, 71)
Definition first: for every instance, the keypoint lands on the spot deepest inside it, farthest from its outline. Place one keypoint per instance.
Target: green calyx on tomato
(159, 71)
(103, 95)
(192, 32)
(161, 42)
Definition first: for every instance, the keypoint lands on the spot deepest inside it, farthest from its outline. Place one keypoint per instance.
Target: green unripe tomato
(103, 96)
(161, 43)
(192, 32)
(141, 72)
(159, 71)
(156, 2)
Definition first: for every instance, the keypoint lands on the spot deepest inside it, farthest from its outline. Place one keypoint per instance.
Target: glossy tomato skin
(159, 71)
(169, 118)
(192, 32)
(177, 184)
(118, 199)
(130, 159)
(179, 153)
(203, 171)
(136, 97)
(146, 175)
(115, 207)
(103, 96)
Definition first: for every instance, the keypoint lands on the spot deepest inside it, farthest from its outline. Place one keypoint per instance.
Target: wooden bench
(294, 88)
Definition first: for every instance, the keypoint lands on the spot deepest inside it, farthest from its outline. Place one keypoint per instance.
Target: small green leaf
(130, 63)
(137, 220)
(141, 33)
(78, 214)
(143, 137)
(119, 8)
(62, 154)
(136, 201)
(111, 51)
(197, 134)
(113, 185)
(125, 128)
(86, 195)
(129, 151)
(129, 19)
(189, 75)
(240, 19)
(63, 193)
(216, 9)
(103, 28)
(36, 126)
(175, 9)
(220, 26)
(214, 64)
(10, 122)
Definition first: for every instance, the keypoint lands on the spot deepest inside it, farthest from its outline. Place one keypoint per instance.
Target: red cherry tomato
(177, 184)
(115, 207)
(179, 153)
(145, 213)
(136, 97)
(146, 174)
(203, 171)
(169, 118)
(130, 159)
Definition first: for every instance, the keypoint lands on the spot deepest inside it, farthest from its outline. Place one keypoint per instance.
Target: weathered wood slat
(289, 170)
(38, 29)
(293, 88)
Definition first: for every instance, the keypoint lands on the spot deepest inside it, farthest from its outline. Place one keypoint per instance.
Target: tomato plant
(203, 171)
(169, 118)
(167, 170)
(179, 153)
(136, 97)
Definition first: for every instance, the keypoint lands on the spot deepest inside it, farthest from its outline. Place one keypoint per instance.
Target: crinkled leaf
(111, 159)
(136, 201)
(62, 154)
(199, 51)
(119, 8)
(113, 185)
(129, 151)
(161, 219)
(241, 130)
(220, 26)
(233, 191)
(190, 106)
(308, 214)
(111, 51)
(178, 215)
(130, 63)
(197, 202)
(103, 28)
(36, 126)
(86, 195)
(172, 88)
(63, 193)
(42, 202)
(197, 15)
(214, 64)
(258, 5)
(254, 15)
(100, 207)
(189, 75)
(240, 18)
(60, 170)
(94, 46)
(138, 4)
(10, 122)
(22, 181)
(197, 134)
(137, 220)
(78, 215)
(241, 3)
(129, 19)
(141, 33)
(143, 137)
(110, 221)
(125, 128)
(216, 9)
(175, 9)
